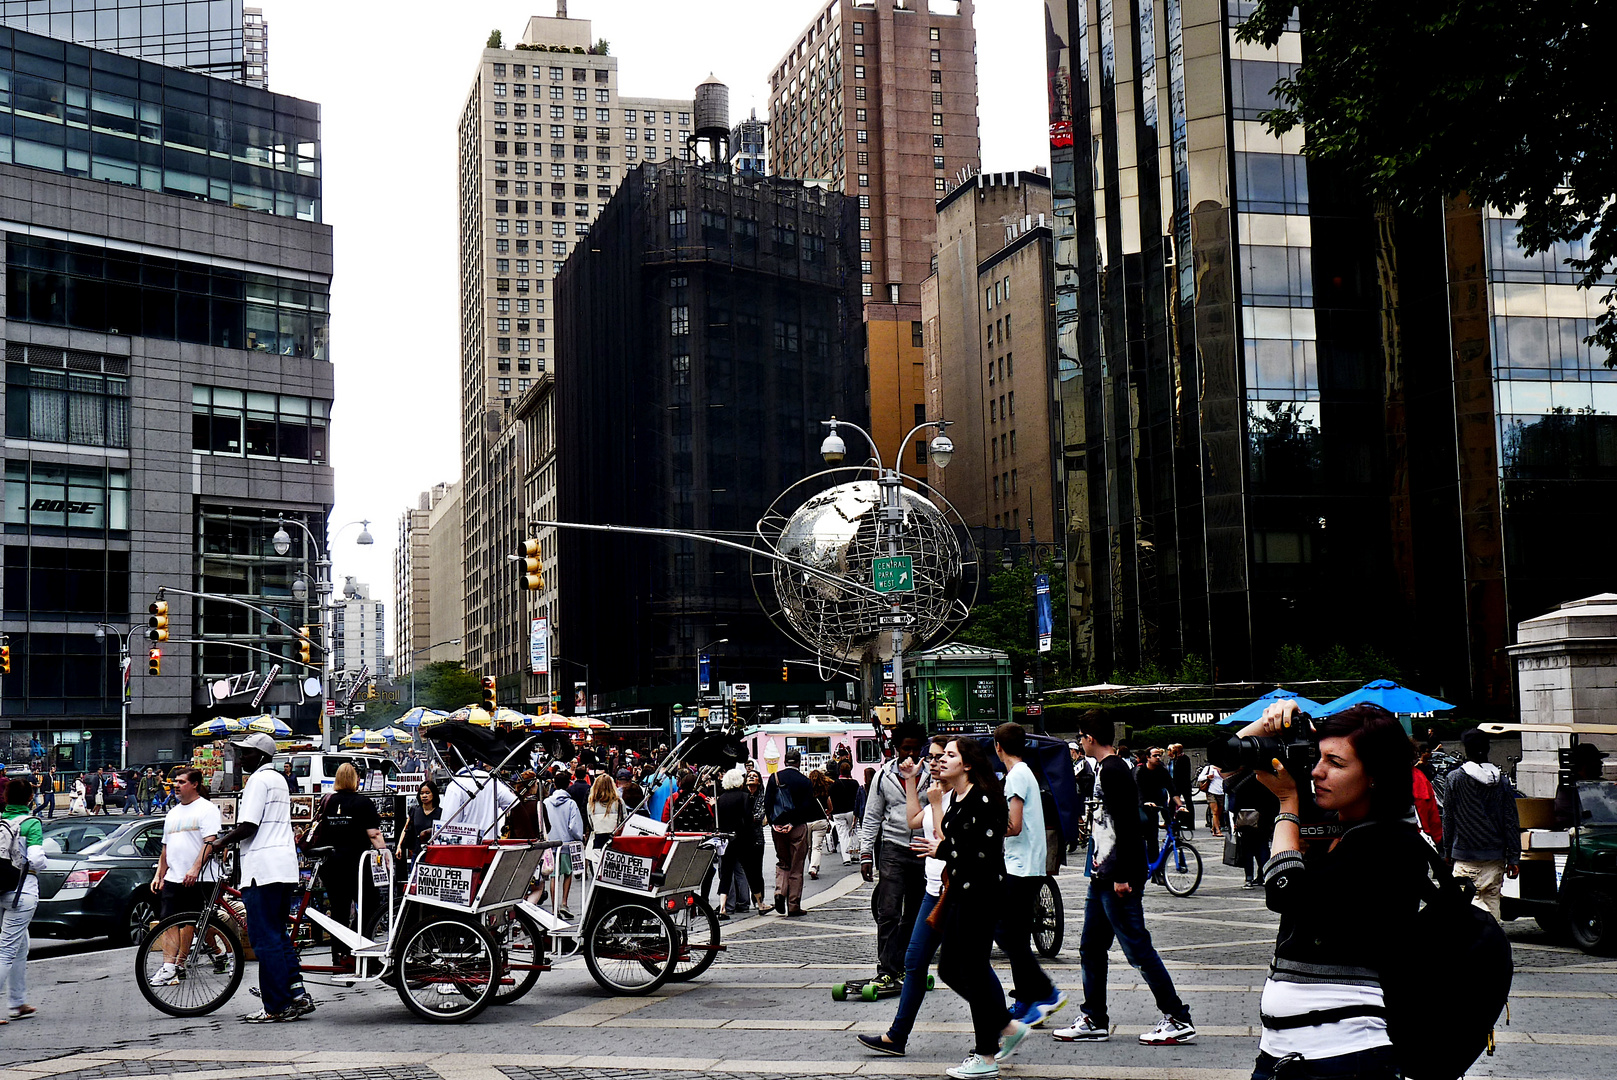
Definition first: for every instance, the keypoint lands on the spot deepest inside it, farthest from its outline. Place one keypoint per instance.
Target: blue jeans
(14, 945)
(267, 930)
(1108, 916)
(923, 946)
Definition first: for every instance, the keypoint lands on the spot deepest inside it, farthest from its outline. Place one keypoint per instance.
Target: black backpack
(1465, 999)
(11, 873)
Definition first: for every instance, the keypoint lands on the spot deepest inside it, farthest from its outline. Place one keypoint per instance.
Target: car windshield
(71, 837)
(1598, 800)
(106, 843)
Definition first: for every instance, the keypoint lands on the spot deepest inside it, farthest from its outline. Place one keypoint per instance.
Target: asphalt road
(765, 1010)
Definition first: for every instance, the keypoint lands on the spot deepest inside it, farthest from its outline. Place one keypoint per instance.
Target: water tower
(710, 140)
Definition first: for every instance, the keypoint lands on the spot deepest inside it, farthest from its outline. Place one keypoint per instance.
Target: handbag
(934, 918)
(1248, 819)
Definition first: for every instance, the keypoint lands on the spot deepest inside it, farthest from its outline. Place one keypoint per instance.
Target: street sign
(1035, 709)
(889, 691)
(275, 669)
(903, 619)
(331, 707)
(893, 574)
(741, 692)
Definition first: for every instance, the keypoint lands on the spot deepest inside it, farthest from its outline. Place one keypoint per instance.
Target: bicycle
(1178, 866)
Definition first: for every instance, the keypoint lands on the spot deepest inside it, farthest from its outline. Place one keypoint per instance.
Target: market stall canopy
(470, 714)
(418, 716)
(504, 717)
(269, 725)
(219, 725)
(397, 735)
(1390, 696)
(1248, 713)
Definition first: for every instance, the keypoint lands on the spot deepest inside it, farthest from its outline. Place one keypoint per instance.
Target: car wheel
(1592, 920)
(142, 913)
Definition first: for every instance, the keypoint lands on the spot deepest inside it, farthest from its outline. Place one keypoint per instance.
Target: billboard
(964, 699)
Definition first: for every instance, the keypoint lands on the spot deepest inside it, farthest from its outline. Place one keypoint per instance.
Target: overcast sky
(391, 80)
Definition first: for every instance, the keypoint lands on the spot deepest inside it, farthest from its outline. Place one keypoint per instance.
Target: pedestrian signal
(488, 694)
(158, 621)
(533, 575)
(154, 662)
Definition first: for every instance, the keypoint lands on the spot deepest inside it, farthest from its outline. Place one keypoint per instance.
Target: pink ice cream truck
(819, 738)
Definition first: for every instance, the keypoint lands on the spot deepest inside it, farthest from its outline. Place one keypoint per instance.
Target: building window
(859, 115)
(79, 407)
(937, 56)
(499, 108)
(502, 326)
(859, 93)
(937, 161)
(937, 119)
(864, 244)
(864, 266)
(864, 179)
(505, 386)
(679, 320)
(864, 224)
(865, 289)
(864, 202)
(937, 98)
(937, 77)
(940, 184)
(859, 71)
(503, 344)
(861, 136)
(524, 345)
(603, 95)
(677, 227)
(917, 340)
(499, 89)
(680, 373)
(281, 426)
(555, 74)
(932, 32)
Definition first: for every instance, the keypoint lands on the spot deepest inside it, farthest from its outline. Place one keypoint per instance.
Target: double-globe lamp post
(282, 542)
(891, 481)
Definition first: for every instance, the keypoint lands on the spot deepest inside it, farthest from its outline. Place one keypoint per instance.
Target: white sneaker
(167, 975)
(975, 1067)
(1170, 1032)
(1086, 1030)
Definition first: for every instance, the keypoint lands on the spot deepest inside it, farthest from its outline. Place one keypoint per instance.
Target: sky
(391, 80)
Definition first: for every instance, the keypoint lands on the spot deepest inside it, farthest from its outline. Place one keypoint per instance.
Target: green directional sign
(896, 574)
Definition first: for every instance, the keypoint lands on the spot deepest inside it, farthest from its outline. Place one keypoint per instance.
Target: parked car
(71, 834)
(103, 889)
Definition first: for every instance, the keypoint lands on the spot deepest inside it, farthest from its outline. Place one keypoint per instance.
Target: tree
(1501, 99)
(603, 47)
(1003, 616)
(442, 685)
(495, 40)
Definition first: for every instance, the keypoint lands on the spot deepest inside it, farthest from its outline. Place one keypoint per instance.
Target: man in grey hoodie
(1481, 835)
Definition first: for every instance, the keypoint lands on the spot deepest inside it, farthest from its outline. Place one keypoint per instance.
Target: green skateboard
(867, 989)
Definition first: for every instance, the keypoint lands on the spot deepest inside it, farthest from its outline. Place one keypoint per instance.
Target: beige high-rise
(878, 98)
(544, 141)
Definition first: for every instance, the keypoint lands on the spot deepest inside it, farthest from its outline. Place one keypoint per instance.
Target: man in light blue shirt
(1035, 995)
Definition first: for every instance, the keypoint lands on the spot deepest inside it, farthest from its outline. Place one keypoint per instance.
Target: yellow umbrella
(219, 725)
(472, 714)
(508, 717)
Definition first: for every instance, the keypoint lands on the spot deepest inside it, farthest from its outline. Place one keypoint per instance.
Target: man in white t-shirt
(183, 866)
(1035, 995)
(474, 803)
(1211, 781)
(269, 874)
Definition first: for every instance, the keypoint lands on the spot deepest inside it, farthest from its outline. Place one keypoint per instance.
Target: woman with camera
(1347, 904)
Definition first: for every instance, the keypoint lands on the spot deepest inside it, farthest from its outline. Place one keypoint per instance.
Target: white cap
(256, 741)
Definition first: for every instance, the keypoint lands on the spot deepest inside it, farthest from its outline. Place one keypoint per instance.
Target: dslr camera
(1298, 750)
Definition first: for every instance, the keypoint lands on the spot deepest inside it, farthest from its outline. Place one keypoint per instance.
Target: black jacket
(805, 807)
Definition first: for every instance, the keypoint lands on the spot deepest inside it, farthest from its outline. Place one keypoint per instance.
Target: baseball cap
(256, 741)
(1075, 746)
(625, 774)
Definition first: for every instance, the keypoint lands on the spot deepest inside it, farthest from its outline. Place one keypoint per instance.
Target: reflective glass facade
(84, 112)
(204, 35)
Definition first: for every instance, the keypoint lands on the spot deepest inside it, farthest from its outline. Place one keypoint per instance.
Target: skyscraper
(878, 99)
(216, 37)
(544, 141)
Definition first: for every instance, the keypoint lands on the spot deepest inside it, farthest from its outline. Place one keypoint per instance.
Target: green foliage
(1193, 669)
(442, 685)
(1294, 664)
(1003, 618)
(1500, 99)
(494, 40)
(603, 47)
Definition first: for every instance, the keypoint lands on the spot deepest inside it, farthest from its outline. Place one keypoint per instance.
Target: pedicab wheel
(839, 991)
(698, 928)
(1049, 921)
(449, 970)
(212, 972)
(519, 937)
(630, 948)
(1183, 873)
(867, 992)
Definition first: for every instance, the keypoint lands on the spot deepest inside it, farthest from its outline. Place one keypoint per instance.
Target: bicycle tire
(1049, 919)
(208, 989)
(706, 952)
(448, 952)
(627, 936)
(520, 941)
(1183, 882)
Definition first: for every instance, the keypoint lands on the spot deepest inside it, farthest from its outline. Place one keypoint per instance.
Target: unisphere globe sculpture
(839, 531)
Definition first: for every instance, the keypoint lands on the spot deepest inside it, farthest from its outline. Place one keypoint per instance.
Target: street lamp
(282, 542)
(123, 637)
(418, 652)
(891, 481)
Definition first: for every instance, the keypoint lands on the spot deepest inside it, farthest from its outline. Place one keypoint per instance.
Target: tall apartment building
(1289, 419)
(413, 575)
(446, 597)
(217, 37)
(141, 291)
(878, 99)
(359, 632)
(990, 333)
(545, 138)
(749, 140)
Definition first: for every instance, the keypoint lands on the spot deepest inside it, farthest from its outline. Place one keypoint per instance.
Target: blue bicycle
(1178, 866)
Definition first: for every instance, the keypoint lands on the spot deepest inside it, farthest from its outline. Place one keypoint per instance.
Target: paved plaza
(765, 1010)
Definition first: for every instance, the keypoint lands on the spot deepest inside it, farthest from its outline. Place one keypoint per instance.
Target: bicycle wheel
(212, 969)
(519, 937)
(1049, 919)
(698, 929)
(630, 948)
(1182, 870)
(448, 970)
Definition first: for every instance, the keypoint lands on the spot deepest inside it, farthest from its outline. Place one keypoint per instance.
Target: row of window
(1000, 331)
(557, 191)
(1003, 409)
(78, 407)
(520, 71)
(1005, 485)
(1001, 448)
(285, 427)
(65, 581)
(1006, 366)
(523, 344)
(523, 385)
(49, 496)
(520, 90)
(557, 172)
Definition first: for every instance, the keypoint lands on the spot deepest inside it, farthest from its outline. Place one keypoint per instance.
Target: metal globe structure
(836, 528)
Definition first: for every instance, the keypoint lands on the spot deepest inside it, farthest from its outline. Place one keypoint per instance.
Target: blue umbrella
(416, 717)
(1248, 713)
(1390, 696)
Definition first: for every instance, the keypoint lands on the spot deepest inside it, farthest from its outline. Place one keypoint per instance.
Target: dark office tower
(1225, 393)
(216, 37)
(706, 327)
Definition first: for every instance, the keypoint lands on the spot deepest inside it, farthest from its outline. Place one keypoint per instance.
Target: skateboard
(865, 990)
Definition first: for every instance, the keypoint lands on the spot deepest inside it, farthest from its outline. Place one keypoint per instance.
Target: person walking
(1036, 997)
(884, 846)
(1481, 834)
(563, 823)
(269, 873)
(48, 796)
(131, 792)
(972, 848)
(1252, 815)
(844, 798)
(819, 829)
(22, 846)
(735, 818)
(1113, 910)
(604, 814)
(182, 867)
(94, 794)
(1210, 782)
(1158, 800)
(751, 871)
(789, 806)
(1179, 767)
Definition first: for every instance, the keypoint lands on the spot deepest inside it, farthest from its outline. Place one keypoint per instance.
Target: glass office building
(210, 36)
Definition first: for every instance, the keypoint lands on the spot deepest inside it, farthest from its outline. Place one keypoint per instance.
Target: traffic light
(5, 659)
(154, 662)
(783, 670)
(158, 622)
(533, 575)
(488, 694)
(305, 646)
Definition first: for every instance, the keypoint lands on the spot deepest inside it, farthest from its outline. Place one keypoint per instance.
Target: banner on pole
(579, 706)
(702, 673)
(1041, 601)
(539, 646)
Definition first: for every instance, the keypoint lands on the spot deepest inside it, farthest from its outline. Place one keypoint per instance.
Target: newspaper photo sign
(628, 871)
(448, 884)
